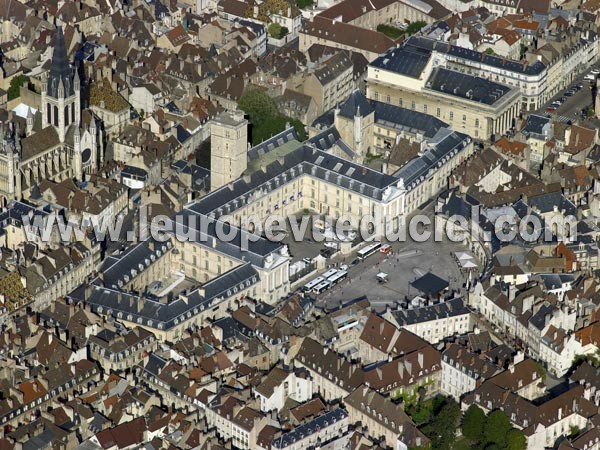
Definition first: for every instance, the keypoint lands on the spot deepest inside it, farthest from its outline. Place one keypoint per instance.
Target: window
(400, 103)
(464, 117)
(438, 112)
(412, 105)
(376, 95)
(425, 109)
(476, 123)
(451, 115)
(388, 99)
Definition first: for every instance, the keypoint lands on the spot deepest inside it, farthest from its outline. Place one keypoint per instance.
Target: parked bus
(329, 274)
(322, 287)
(368, 250)
(311, 284)
(339, 276)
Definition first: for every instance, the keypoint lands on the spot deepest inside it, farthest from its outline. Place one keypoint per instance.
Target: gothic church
(59, 141)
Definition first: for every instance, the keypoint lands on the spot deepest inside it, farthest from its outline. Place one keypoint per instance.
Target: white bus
(311, 284)
(329, 273)
(368, 250)
(321, 287)
(339, 276)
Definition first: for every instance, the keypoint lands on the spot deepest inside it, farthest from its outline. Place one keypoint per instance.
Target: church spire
(60, 70)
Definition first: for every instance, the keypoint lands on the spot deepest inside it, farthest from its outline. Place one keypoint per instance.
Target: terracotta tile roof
(514, 147)
(589, 335)
(511, 37)
(32, 390)
(178, 36)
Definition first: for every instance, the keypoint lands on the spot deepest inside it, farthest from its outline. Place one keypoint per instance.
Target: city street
(570, 110)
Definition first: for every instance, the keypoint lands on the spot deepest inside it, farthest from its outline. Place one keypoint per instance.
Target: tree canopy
(277, 31)
(304, 3)
(473, 423)
(265, 119)
(258, 105)
(413, 27)
(496, 428)
(14, 90)
(442, 428)
(515, 440)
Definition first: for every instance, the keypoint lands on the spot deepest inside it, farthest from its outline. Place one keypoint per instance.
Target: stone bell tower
(229, 148)
(61, 96)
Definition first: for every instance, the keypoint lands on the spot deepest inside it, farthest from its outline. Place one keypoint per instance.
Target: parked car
(551, 109)
(569, 93)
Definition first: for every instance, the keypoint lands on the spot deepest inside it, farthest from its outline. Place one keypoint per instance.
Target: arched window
(66, 113)
(72, 112)
(49, 112)
(55, 116)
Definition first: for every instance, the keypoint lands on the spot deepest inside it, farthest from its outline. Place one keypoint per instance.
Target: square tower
(229, 148)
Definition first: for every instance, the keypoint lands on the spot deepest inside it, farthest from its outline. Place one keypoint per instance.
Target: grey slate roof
(542, 317)
(407, 60)
(430, 284)
(356, 104)
(60, 70)
(305, 159)
(546, 203)
(153, 313)
(427, 45)
(449, 308)
(17, 212)
(309, 428)
(330, 138)
(407, 119)
(203, 230)
(385, 114)
(466, 86)
(446, 143)
(535, 124)
(137, 257)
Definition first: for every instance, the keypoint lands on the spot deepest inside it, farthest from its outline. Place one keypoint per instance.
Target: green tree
(573, 431)
(275, 125)
(305, 3)
(414, 27)
(265, 119)
(540, 368)
(515, 440)
(390, 31)
(14, 90)
(473, 423)
(442, 429)
(258, 105)
(277, 31)
(496, 428)
(299, 127)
